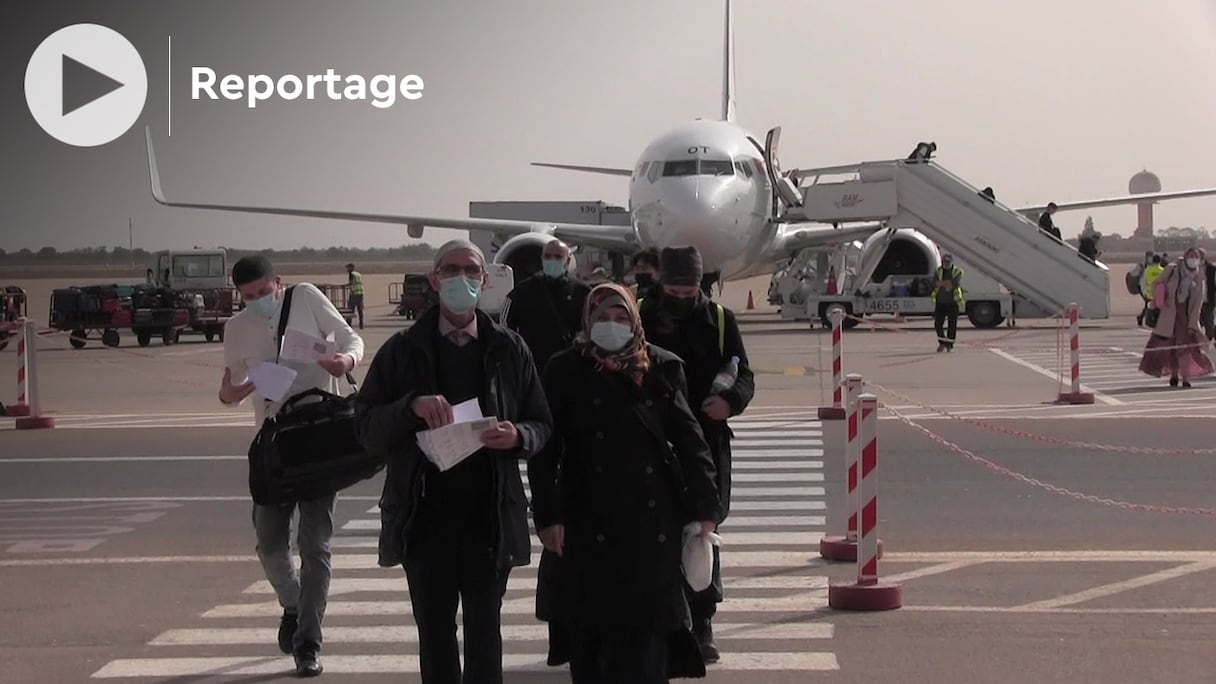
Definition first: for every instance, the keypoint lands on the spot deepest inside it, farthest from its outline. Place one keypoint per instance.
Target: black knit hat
(680, 266)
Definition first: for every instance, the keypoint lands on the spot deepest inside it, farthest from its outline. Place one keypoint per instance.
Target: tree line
(120, 256)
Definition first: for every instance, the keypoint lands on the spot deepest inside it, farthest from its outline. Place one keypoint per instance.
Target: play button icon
(86, 85)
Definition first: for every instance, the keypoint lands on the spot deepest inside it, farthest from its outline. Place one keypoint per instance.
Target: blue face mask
(554, 268)
(459, 294)
(611, 336)
(265, 306)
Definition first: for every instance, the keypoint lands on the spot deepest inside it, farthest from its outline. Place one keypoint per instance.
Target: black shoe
(1186, 384)
(307, 664)
(704, 632)
(1173, 382)
(287, 631)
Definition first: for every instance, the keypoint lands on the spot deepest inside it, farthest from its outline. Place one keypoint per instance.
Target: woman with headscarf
(627, 468)
(1177, 344)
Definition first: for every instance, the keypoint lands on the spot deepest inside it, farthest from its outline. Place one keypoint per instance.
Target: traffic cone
(750, 303)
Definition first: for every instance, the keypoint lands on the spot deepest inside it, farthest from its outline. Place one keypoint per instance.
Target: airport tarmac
(1034, 541)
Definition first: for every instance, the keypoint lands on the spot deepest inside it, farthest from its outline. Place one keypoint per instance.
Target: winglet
(158, 193)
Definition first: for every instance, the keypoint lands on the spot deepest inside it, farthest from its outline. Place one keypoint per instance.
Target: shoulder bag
(309, 449)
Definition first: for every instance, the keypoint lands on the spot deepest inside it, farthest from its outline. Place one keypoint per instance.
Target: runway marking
(1126, 585)
(398, 585)
(1114, 556)
(400, 634)
(1054, 376)
(1063, 611)
(929, 571)
(776, 585)
(368, 664)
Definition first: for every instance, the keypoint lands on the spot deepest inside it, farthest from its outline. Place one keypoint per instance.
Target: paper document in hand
(304, 348)
(467, 411)
(271, 380)
(451, 444)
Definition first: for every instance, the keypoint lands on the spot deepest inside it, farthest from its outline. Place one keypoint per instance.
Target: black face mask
(644, 280)
(678, 306)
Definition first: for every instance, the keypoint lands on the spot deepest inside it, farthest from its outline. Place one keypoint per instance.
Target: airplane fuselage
(704, 183)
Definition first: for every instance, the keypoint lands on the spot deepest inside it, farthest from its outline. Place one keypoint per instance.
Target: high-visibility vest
(356, 283)
(721, 326)
(956, 274)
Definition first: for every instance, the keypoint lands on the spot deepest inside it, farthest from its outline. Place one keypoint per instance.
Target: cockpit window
(699, 167)
(683, 167)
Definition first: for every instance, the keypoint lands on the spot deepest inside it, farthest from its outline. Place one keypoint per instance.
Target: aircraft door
(785, 190)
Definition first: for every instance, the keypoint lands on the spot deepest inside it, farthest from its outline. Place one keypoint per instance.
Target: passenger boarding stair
(1042, 273)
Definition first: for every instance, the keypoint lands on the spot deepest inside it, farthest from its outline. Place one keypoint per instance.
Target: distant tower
(1144, 182)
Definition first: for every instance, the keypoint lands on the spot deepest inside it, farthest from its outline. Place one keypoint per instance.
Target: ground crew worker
(646, 272)
(546, 309)
(355, 279)
(705, 335)
(1151, 273)
(947, 300)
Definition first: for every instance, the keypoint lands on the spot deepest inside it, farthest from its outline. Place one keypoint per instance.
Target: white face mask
(1192, 263)
(265, 306)
(611, 336)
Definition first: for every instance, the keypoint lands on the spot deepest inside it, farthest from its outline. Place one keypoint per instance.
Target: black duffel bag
(309, 449)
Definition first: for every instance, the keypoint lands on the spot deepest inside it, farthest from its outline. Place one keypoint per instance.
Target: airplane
(707, 183)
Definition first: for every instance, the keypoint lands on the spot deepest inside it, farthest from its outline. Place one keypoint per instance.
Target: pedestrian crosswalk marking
(772, 619)
(370, 664)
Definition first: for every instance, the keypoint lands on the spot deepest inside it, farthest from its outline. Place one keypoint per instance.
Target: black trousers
(445, 569)
(942, 313)
(618, 656)
(356, 305)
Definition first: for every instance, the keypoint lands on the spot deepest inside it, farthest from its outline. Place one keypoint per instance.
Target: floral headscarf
(631, 359)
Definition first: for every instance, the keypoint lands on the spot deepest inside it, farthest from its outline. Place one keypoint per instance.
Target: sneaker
(1186, 384)
(287, 631)
(941, 348)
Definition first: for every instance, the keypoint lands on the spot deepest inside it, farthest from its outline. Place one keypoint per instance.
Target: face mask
(554, 268)
(1192, 263)
(459, 294)
(265, 306)
(644, 279)
(678, 306)
(611, 336)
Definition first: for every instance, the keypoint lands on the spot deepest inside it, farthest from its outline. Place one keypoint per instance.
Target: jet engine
(523, 254)
(910, 256)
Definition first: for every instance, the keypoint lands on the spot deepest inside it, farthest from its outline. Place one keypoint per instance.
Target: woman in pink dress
(1177, 345)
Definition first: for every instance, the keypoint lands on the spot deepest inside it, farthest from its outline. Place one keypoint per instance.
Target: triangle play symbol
(83, 85)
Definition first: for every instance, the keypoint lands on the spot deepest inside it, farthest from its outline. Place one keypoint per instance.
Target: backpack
(1132, 279)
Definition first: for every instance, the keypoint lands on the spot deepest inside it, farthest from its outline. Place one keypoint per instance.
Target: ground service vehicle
(12, 309)
(202, 272)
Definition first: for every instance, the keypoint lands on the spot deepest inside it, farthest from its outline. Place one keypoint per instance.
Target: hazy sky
(1041, 99)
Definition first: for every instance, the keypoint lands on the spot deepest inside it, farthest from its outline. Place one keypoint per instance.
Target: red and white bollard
(1075, 396)
(845, 548)
(836, 410)
(867, 593)
(21, 408)
(28, 375)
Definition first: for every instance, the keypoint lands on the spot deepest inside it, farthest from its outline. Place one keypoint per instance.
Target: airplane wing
(793, 238)
(587, 169)
(617, 238)
(1115, 201)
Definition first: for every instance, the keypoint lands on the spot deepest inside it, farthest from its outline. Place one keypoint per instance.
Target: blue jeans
(305, 593)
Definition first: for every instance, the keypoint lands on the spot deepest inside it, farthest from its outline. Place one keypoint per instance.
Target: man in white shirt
(250, 339)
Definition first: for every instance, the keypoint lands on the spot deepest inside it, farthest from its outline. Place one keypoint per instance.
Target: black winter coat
(694, 339)
(403, 370)
(626, 469)
(547, 313)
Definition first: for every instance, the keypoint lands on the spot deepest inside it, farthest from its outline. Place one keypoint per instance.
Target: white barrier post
(21, 408)
(836, 410)
(845, 548)
(1075, 396)
(35, 420)
(867, 593)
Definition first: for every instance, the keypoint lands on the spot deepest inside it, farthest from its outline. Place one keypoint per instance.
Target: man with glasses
(457, 532)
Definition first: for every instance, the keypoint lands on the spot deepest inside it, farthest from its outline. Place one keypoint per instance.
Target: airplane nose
(689, 207)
